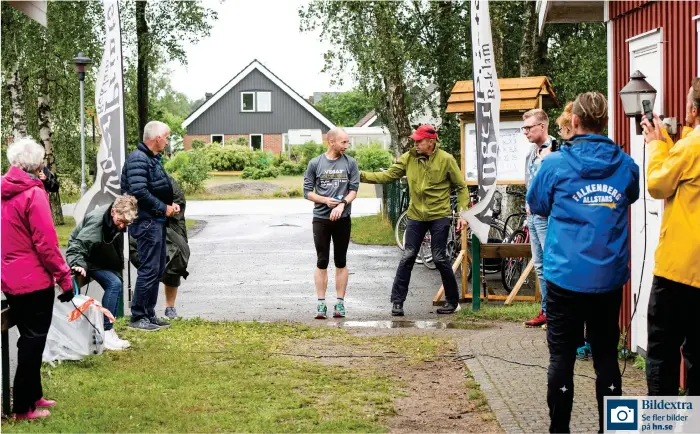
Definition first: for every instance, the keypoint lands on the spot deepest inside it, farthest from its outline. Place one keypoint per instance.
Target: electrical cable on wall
(644, 256)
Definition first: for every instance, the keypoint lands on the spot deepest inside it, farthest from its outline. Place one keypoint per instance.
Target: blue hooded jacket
(585, 190)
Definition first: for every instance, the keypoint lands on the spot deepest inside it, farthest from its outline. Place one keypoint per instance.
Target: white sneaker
(112, 341)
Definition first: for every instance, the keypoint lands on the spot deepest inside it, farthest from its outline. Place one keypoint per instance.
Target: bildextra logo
(622, 415)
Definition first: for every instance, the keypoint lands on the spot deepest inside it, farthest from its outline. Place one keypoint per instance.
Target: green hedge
(190, 168)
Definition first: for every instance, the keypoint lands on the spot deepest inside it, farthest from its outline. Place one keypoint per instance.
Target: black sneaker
(397, 309)
(159, 322)
(449, 308)
(144, 325)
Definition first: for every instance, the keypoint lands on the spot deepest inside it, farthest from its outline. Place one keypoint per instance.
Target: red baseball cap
(424, 132)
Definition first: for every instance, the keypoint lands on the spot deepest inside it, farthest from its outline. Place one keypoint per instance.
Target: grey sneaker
(170, 312)
(144, 325)
(159, 322)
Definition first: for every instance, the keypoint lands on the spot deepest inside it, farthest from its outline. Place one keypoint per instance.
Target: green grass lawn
(372, 230)
(516, 312)
(200, 376)
(63, 231)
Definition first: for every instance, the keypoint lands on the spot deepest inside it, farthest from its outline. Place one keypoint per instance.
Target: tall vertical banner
(487, 105)
(109, 104)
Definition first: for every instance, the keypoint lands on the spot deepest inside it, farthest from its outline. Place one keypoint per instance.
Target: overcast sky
(267, 30)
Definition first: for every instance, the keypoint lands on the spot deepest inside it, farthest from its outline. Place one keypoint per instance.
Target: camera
(622, 414)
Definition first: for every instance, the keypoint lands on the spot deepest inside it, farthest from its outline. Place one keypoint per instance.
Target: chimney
(207, 96)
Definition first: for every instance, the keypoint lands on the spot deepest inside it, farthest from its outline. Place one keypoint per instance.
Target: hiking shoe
(170, 313)
(144, 325)
(321, 311)
(538, 321)
(339, 310)
(397, 309)
(583, 352)
(448, 308)
(159, 322)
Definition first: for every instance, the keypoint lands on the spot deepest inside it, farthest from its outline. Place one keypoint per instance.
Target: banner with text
(109, 103)
(487, 103)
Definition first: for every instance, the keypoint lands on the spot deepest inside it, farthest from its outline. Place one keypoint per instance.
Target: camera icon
(622, 414)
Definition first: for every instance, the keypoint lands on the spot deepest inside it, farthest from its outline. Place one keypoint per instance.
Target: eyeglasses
(563, 129)
(527, 129)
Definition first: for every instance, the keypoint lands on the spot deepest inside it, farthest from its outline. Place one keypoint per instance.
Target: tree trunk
(395, 93)
(529, 50)
(45, 135)
(19, 118)
(143, 44)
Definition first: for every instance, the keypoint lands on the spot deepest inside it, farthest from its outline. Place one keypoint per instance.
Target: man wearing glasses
(535, 125)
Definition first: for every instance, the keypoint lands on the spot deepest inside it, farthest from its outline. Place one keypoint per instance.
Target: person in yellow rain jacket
(430, 172)
(673, 174)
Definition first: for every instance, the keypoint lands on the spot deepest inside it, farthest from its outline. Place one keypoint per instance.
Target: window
(256, 101)
(264, 101)
(247, 101)
(256, 141)
(217, 138)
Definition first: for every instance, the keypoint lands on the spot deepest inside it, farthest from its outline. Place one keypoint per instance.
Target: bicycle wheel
(512, 268)
(426, 253)
(400, 229)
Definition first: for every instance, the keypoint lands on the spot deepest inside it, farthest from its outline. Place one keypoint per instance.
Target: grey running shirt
(331, 178)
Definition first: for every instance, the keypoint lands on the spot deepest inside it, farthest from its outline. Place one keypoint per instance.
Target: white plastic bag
(72, 336)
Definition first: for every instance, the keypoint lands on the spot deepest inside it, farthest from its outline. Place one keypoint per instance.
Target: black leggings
(324, 231)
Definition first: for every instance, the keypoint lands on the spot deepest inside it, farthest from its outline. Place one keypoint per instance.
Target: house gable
(223, 114)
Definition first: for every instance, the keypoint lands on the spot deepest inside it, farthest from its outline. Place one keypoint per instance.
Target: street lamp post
(81, 62)
(632, 95)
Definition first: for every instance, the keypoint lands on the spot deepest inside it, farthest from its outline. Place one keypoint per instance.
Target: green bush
(302, 154)
(198, 144)
(263, 160)
(233, 157)
(373, 157)
(292, 169)
(351, 153)
(190, 169)
(279, 159)
(256, 173)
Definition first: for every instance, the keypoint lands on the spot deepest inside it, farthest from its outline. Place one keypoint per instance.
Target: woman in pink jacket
(31, 265)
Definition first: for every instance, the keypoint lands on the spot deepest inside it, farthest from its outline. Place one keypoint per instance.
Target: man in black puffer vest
(144, 177)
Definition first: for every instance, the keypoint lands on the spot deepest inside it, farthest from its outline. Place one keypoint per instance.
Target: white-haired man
(144, 177)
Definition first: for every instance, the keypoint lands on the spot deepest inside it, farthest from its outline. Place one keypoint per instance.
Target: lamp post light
(81, 62)
(632, 95)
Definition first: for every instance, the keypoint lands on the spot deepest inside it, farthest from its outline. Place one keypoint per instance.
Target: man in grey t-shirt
(331, 182)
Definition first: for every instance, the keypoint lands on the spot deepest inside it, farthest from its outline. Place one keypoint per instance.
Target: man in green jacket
(96, 250)
(431, 172)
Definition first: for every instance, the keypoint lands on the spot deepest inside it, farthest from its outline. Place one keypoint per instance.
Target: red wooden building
(662, 40)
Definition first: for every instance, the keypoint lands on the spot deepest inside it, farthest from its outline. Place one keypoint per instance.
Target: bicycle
(512, 268)
(497, 233)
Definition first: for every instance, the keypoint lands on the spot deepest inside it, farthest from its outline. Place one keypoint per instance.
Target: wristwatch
(344, 201)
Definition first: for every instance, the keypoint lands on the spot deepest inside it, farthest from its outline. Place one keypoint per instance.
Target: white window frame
(256, 101)
(223, 138)
(255, 97)
(262, 141)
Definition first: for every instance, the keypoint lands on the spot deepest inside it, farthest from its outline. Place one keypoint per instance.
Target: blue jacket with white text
(585, 189)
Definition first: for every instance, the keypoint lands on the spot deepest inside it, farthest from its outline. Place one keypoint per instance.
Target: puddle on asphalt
(284, 225)
(401, 325)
